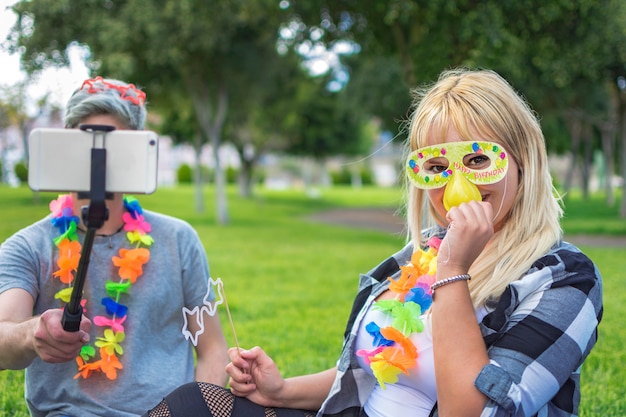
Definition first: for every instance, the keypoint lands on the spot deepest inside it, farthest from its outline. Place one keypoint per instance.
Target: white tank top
(414, 394)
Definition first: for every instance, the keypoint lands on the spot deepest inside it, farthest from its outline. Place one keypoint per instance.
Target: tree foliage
(320, 125)
(565, 56)
(538, 45)
(204, 64)
(203, 49)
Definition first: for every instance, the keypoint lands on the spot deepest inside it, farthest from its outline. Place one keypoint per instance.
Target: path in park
(386, 220)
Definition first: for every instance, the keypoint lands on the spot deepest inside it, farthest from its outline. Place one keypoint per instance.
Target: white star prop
(209, 307)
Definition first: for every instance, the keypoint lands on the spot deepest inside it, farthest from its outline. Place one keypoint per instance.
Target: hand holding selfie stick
(94, 217)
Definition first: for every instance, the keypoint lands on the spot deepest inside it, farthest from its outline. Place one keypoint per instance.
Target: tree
(201, 48)
(573, 54)
(13, 112)
(558, 53)
(321, 124)
(255, 125)
(291, 106)
(13, 103)
(180, 124)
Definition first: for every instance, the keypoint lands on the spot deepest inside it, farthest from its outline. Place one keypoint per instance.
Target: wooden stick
(230, 318)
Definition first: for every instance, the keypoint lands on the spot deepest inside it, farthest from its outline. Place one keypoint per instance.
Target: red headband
(138, 98)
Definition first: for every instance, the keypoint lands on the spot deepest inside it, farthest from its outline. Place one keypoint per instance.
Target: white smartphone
(60, 160)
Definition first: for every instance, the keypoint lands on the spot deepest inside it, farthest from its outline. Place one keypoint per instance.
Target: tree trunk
(324, 175)
(248, 157)
(245, 176)
(608, 150)
(198, 181)
(574, 125)
(587, 159)
(3, 159)
(215, 137)
(308, 169)
(25, 128)
(622, 135)
(211, 121)
(221, 202)
(356, 180)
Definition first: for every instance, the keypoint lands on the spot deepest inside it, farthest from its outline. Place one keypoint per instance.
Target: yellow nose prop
(459, 190)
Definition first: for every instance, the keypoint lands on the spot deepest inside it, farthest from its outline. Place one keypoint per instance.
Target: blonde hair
(481, 101)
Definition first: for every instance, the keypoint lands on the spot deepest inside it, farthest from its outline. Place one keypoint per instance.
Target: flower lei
(129, 262)
(393, 352)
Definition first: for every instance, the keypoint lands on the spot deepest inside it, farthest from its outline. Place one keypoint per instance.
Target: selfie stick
(93, 217)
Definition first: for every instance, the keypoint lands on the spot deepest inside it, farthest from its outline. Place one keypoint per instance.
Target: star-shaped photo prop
(209, 307)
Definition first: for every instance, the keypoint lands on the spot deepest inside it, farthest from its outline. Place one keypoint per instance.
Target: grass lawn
(290, 281)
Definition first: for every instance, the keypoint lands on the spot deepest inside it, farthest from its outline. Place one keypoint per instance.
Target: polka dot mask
(479, 162)
(459, 166)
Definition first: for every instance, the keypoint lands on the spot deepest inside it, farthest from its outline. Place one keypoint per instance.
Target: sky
(58, 83)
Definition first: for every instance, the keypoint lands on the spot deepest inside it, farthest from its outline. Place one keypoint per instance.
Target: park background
(275, 114)
(290, 265)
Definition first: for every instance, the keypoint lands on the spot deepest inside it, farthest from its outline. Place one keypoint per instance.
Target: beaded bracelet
(437, 284)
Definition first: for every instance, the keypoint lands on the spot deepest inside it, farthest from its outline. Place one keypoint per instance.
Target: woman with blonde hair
(486, 312)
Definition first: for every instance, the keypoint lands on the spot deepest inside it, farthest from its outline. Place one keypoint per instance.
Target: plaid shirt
(538, 334)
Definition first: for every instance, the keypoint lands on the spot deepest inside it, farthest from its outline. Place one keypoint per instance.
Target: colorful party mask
(478, 163)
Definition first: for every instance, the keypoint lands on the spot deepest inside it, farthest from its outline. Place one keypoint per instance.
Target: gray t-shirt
(157, 358)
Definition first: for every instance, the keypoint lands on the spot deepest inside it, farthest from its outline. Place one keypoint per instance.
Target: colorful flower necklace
(393, 352)
(130, 263)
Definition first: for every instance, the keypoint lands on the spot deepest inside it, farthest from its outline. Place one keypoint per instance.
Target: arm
(557, 308)
(211, 352)
(459, 349)
(254, 375)
(24, 337)
(212, 348)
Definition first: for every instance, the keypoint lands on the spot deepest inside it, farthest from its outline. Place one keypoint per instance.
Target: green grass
(290, 282)
(604, 372)
(593, 216)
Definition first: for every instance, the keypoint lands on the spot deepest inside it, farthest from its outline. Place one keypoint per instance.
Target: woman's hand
(254, 375)
(470, 228)
(458, 347)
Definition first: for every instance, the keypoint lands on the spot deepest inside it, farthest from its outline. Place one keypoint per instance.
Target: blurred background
(310, 93)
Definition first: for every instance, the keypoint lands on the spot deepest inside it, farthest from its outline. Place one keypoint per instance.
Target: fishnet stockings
(218, 400)
(161, 410)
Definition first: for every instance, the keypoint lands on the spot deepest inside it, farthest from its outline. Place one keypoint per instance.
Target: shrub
(184, 175)
(344, 177)
(21, 171)
(231, 175)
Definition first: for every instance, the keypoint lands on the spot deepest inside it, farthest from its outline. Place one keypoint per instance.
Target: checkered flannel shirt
(538, 334)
